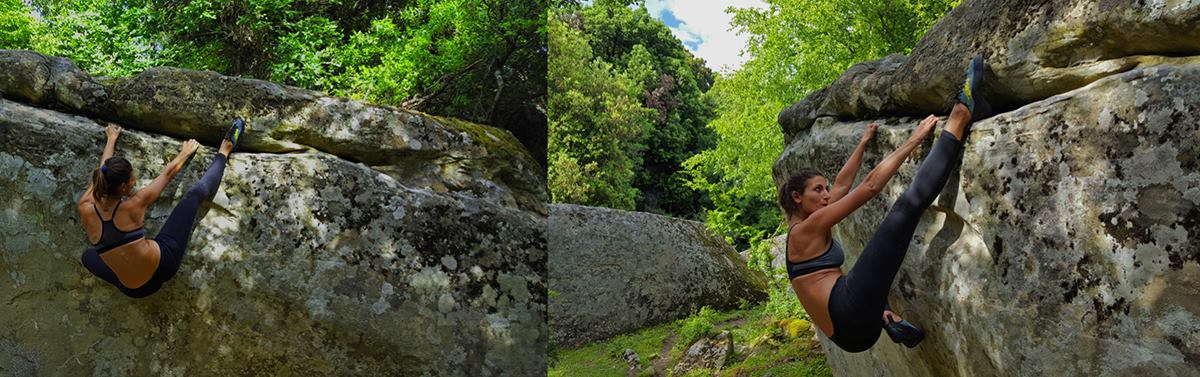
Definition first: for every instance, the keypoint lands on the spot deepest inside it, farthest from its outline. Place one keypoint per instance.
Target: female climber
(847, 307)
(138, 266)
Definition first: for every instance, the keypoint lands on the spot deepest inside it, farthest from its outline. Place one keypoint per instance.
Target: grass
(782, 347)
(604, 359)
(773, 338)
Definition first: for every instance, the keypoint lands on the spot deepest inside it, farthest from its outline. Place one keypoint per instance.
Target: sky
(704, 28)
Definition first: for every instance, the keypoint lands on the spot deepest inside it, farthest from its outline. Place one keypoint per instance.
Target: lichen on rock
(616, 271)
(305, 263)
(1070, 232)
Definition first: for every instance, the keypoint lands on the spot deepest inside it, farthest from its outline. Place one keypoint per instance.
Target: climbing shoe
(234, 134)
(971, 92)
(904, 332)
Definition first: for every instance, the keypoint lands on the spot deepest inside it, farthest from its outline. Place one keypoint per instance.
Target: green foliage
(672, 83)
(604, 358)
(15, 25)
(703, 372)
(596, 125)
(625, 72)
(697, 326)
(101, 36)
(480, 60)
(781, 301)
(769, 349)
(795, 47)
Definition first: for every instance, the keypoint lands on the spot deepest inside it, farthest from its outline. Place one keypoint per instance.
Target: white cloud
(706, 23)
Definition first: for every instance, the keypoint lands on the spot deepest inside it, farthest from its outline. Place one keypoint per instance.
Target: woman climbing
(126, 259)
(847, 307)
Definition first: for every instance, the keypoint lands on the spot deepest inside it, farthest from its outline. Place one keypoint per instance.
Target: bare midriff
(813, 290)
(134, 262)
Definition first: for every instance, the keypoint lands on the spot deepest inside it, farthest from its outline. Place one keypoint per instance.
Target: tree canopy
(644, 96)
(480, 60)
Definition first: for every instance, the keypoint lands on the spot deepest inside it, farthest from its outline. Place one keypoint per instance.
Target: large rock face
(614, 271)
(416, 149)
(1036, 48)
(1069, 242)
(304, 264)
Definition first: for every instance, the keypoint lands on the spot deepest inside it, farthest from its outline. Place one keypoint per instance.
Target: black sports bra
(832, 258)
(110, 236)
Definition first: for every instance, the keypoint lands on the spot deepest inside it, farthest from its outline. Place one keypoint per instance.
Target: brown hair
(795, 183)
(107, 180)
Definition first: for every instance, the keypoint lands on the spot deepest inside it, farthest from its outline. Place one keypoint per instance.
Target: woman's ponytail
(98, 185)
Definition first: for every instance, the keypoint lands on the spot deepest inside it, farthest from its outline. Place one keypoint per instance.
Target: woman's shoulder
(801, 234)
(86, 202)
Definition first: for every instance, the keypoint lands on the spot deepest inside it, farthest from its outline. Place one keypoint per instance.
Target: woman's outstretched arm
(824, 218)
(845, 177)
(881, 174)
(111, 132)
(146, 196)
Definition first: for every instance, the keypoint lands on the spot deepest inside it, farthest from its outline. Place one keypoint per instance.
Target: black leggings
(858, 298)
(172, 239)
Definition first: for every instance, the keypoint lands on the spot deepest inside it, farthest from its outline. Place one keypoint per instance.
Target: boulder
(1036, 48)
(1067, 244)
(614, 271)
(706, 353)
(305, 263)
(48, 81)
(447, 155)
(635, 363)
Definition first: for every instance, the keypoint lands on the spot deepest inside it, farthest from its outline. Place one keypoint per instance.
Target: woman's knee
(197, 193)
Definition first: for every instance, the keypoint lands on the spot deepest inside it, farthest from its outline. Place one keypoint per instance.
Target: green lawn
(781, 347)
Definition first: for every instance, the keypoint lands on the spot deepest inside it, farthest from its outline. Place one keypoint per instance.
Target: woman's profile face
(815, 195)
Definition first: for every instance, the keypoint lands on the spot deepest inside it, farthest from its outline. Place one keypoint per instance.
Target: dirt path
(660, 365)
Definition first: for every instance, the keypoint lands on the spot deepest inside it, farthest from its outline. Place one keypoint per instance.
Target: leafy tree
(481, 60)
(15, 24)
(596, 124)
(795, 47)
(669, 81)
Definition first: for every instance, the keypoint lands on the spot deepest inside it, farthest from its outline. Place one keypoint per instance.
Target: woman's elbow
(872, 187)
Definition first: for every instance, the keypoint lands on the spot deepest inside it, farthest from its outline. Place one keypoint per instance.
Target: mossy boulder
(447, 155)
(303, 264)
(616, 271)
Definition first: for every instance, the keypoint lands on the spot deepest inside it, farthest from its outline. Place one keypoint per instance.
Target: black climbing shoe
(234, 134)
(971, 93)
(904, 332)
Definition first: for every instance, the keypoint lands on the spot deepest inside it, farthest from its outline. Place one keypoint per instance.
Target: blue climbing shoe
(971, 92)
(234, 134)
(904, 332)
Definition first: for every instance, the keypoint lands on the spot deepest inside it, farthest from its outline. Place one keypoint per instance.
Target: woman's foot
(226, 147)
(232, 137)
(971, 92)
(904, 333)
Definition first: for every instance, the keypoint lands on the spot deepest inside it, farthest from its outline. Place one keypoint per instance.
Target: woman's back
(134, 262)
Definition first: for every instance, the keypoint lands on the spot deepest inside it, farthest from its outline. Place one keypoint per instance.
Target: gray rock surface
(1036, 48)
(416, 149)
(47, 81)
(303, 264)
(614, 271)
(1068, 244)
(707, 353)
